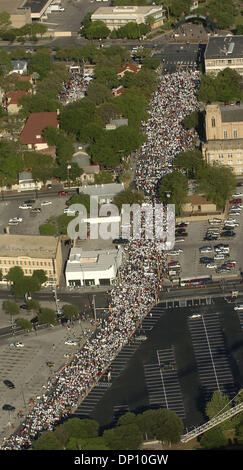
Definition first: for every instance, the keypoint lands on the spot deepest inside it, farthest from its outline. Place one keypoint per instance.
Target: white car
(25, 206)
(238, 307)
(175, 252)
(237, 195)
(16, 219)
(46, 203)
(71, 343)
(13, 222)
(17, 345)
(219, 256)
(206, 249)
(178, 240)
(211, 266)
(69, 211)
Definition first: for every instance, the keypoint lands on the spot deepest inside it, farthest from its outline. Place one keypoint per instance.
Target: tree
(223, 11)
(47, 441)
(15, 274)
(177, 7)
(95, 443)
(103, 177)
(190, 160)
(213, 439)
(40, 63)
(5, 62)
(127, 418)
(4, 20)
(80, 198)
(33, 305)
(11, 308)
(75, 116)
(217, 182)
(40, 276)
(173, 190)
(124, 437)
(61, 435)
(24, 285)
(191, 121)
(98, 93)
(218, 402)
(47, 315)
(48, 229)
(81, 428)
(168, 426)
(128, 196)
(25, 324)
(70, 311)
(96, 30)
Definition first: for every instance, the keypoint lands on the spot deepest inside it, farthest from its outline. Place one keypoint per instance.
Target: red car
(62, 193)
(236, 201)
(173, 263)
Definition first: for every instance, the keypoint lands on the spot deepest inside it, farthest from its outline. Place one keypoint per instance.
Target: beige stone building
(32, 252)
(222, 52)
(224, 136)
(115, 17)
(198, 204)
(24, 11)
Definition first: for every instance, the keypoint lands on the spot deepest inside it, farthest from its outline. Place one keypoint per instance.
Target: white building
(92, 268)
(103, 192)
(19, 66)
(115, 17)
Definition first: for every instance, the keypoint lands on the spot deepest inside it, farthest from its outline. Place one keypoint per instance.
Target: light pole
(94, 307)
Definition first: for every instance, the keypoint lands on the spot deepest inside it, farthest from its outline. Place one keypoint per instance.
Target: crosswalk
(163, 384)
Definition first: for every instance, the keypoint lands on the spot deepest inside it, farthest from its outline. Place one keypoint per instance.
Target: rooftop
(36, 122)
(232, 113)
(198, 199)
(110, 189)
(224, 47)
(35, 5)
(10, 6)
(32, 246)
(126, 11)
(19, 64)
(94, 260)
(15, 96)
(224, 144)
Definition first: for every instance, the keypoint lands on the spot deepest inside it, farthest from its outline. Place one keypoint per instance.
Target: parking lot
(71, 17)
(30, 224)
(26, 367)
(189, 259)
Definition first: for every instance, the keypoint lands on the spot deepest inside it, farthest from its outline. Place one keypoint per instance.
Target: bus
(195, 281)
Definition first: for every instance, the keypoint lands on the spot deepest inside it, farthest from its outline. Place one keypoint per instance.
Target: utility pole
(94, 307)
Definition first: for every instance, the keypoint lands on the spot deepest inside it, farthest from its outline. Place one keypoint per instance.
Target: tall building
(115, 17)
(224, 136)
(32, 252)
(222, 52)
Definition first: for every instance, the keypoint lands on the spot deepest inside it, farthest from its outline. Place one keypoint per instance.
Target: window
(213, 122)
(225, 134)
(230, 156)
(221, 156)
(235, 134)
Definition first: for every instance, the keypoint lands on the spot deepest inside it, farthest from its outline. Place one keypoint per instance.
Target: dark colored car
(30, 201)
(8, 383)
(210, 237)
(206, 260)
(62, 193)
(180, 230)
(182, 224)
(228, 233)
(120, 241)
(183, 234)
(7, 407)
(24, 307)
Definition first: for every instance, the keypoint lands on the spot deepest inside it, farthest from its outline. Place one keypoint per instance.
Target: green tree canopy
(70, 311)
(128, 196)
(47, 441)
(81, 428)
(10, 308)
(39, 275)
(213, 439)
(23, 323)
(173, 190)
(191, 160)
(33, 305)
(47, 315)
(14, 274)
(217, 182)
(40, 63)
(124, 437)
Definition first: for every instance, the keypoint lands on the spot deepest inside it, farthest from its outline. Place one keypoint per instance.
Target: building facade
(32, 252)
(92, 268)
(118, 16)
(224, 136)
(222, 52)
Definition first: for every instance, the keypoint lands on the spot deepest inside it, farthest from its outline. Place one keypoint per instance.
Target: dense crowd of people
(75, 88)
(140, 277)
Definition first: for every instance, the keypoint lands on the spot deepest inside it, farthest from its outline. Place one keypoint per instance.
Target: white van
(238, 307)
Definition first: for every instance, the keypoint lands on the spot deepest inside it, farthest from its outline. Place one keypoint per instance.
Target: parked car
(13, 222)
(175, 252)
(69, 342)
(46, 203)
(219, 256)
(30, 201)
(178, 240)
(180, 230)
(211, 266)
(23, 307)
(206, 249)
(237, 195)
(228, 233)
(120, 241)
(8, 383)
(206, 260)
(8, 407)
(16, 345)
(25, 206)
(16, 219)
(62, 193)
(236, 201)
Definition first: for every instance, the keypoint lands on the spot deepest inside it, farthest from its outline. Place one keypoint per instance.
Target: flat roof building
(23, 12)
(32, 252)
(115, 17)
(104, 192)
(92, 268)
(222, 52)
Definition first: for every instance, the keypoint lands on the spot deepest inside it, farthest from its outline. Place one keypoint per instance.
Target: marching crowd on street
(140, 277)
(75, 88)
